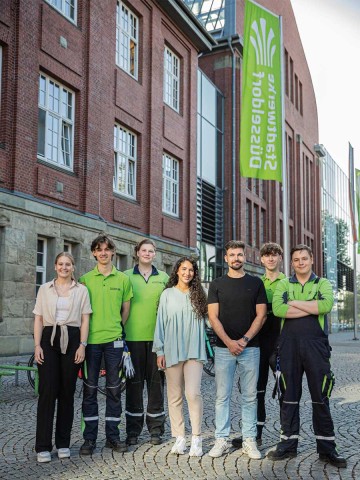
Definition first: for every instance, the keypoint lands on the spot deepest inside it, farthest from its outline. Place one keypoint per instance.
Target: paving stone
(144, 461)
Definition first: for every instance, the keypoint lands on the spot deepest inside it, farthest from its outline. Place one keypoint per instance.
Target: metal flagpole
(353, 208)
(285, 211)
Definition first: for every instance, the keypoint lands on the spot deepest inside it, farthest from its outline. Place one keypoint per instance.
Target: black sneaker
(155, 440)
(334, 459)
(116, 445)
(133, 440)
(87, 447)
(280, 454)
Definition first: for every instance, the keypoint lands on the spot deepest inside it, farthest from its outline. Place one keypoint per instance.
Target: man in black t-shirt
(237, 311)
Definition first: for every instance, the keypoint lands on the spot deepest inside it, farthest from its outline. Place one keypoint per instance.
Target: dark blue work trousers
(112, 358)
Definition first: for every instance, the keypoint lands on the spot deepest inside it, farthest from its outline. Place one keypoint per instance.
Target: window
(67, 247)
(127, 43)
(124, 162)
(255, 242)
(291, 80)
(170, 185)
(248, 222)
(263, 226)
(171, 79)
(56, 123)
(66, 7)
(301, 98)
(41, 262)
(121, 262)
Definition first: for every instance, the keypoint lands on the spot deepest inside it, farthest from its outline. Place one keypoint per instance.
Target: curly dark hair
(197, 293)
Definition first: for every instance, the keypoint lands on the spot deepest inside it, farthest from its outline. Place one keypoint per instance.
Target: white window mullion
(127, 32)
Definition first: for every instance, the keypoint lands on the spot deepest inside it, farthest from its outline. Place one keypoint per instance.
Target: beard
(236, 266)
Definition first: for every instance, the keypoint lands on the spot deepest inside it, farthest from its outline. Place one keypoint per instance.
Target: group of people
(162, 319)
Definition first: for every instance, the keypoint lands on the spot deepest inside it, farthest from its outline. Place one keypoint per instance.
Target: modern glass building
(337, 241)
(210, 178)
(211, 13)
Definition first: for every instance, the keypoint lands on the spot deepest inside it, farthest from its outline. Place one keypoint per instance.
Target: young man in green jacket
(303, 301)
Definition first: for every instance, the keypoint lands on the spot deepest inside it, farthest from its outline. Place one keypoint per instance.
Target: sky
(330, 34)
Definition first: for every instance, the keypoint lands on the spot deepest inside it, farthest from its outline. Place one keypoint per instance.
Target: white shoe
(64, 452)
(196, 447)
(44, 457)
(221, 446)
(249, 447)
(179, 446)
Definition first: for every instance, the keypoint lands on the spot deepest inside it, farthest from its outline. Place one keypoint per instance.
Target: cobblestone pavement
(144, 461)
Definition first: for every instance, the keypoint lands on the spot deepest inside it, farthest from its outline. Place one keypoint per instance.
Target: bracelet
(38, 345)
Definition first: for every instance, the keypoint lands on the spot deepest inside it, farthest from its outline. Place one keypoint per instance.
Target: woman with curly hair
(179, 343)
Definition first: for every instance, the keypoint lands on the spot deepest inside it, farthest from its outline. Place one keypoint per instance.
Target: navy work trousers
(112, 357)
(144, 361)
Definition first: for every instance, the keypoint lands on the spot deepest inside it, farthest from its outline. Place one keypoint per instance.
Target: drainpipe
(233, 140)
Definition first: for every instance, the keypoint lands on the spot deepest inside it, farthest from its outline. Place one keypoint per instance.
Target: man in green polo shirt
(110, 293)
(148, 284)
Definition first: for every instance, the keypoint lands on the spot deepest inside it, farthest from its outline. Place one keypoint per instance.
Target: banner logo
(263, 44)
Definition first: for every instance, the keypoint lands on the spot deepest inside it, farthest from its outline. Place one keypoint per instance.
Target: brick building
(252, 209)
(123, 116)
(97, 133)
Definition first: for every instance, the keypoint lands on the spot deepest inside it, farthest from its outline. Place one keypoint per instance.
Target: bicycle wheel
(31, 375)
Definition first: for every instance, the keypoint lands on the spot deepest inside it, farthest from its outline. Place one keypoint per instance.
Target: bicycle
(210, 340)
(102, 376)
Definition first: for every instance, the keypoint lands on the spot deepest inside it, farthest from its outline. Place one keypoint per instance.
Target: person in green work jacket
(303, 301)
(148, 283)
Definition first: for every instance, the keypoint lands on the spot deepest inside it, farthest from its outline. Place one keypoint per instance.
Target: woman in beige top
(61, 329)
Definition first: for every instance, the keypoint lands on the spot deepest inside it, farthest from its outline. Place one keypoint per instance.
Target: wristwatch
(83, 343)
(247, 339)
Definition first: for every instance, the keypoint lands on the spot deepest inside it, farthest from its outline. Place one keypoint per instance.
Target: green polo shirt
(270, 287)
(140, 325)
(107, 294)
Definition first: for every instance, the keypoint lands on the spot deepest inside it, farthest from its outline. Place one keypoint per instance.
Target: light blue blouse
(179, 334)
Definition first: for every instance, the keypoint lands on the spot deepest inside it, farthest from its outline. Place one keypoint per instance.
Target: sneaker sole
(221, 454)
(63, 456)
(44, 460)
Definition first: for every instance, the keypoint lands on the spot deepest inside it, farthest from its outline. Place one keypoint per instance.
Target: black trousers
(57, 381)
(146, 369)
(308, 351)
(268, 344)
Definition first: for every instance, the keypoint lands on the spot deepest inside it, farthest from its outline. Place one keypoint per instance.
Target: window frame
(41, 268)
(120, 33)
(64, 146)
(62, 10)
(128, 159)
(1, 69)
(170, 181)
(172, 80)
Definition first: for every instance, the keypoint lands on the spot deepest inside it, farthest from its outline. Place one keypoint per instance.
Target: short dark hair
(145, 241)
(271, 248)
(102, 238)
(234, 244)
(301, 246)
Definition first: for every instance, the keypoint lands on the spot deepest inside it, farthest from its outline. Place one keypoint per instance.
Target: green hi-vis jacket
(315, 288)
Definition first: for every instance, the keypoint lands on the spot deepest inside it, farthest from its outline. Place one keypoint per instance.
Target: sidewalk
(17, 432)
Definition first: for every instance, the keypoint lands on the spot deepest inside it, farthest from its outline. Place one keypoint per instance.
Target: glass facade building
(211, 13)
(337, 241)
(210, 161)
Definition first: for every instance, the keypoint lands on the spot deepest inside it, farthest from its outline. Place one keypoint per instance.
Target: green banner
(261, 113)
(357, 201)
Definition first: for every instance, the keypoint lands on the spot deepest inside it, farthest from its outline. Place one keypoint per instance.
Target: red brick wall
(104, 94)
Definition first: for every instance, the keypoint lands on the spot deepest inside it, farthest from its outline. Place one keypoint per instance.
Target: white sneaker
(196, 447)
(249, 447)
(64, 452)
(179, 446)
(221, 446)
(44, 457)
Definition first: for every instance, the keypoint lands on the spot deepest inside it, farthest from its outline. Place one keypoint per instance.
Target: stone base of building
(23, 221)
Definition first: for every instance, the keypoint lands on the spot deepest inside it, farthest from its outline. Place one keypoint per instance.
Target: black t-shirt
(237, 299)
